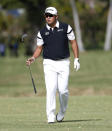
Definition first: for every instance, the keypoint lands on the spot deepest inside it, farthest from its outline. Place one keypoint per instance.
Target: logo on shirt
(60, 30)
(46, 33)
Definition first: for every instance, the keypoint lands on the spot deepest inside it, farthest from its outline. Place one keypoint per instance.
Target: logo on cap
(51, 10)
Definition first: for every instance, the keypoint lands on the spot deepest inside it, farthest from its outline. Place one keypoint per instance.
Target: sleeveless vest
(55, 45)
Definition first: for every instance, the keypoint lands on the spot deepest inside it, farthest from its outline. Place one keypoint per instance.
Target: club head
(23, 37)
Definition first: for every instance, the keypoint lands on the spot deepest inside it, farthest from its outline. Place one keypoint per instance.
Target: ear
(56, 17)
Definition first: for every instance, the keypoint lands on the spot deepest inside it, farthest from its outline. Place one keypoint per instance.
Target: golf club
(23, 36)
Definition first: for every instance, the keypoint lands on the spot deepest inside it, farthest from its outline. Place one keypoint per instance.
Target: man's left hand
(76, 64)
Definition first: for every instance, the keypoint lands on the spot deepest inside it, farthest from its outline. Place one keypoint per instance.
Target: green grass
(85, 113)
(90, 101)
(94, 77)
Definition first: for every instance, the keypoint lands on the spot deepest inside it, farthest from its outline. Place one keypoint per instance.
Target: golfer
(54, 39)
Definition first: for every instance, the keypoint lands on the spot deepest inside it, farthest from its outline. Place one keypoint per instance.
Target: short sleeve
(70, 33)
(40, 41)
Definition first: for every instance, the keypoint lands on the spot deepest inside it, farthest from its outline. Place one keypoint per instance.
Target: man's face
(50, 19)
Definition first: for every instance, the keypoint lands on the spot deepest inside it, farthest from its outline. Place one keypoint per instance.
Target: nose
(48, 17)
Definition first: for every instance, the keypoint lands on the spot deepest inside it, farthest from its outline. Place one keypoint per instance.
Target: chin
(49, 23)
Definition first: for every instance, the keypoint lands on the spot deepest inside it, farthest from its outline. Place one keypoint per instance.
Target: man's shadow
(84, 120)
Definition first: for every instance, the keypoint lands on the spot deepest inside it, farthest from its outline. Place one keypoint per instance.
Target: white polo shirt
(70, 35)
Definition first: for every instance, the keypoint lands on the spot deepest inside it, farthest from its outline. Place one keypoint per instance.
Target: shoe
(59, 117)
(51, 120)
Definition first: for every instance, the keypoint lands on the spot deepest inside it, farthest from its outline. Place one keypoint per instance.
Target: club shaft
(32, 80)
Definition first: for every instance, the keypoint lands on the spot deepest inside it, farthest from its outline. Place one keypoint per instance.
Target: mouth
(48, 20)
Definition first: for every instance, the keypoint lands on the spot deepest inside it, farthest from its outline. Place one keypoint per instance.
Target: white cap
(51, 10)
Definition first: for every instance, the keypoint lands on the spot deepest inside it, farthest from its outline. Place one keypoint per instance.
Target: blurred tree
(3, 22)
(93, 15)
(34, 13)
(34, 9)
(108, 39)
(77, 25)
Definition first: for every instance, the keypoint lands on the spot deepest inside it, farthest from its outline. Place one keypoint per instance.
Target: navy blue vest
(55, 45)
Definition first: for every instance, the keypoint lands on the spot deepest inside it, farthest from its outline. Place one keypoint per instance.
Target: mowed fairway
(90, 100)
(84, 113)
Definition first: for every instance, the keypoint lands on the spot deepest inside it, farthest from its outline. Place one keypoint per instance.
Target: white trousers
(56, 78)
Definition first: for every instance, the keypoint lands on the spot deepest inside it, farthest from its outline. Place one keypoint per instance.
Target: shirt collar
(57, 25)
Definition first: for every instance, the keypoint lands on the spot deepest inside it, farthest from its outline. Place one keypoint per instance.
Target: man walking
(53, 40)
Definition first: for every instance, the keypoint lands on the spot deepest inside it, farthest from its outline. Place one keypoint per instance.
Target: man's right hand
(30, 60)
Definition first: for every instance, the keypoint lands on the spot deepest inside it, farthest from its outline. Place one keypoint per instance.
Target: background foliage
(92, 20)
